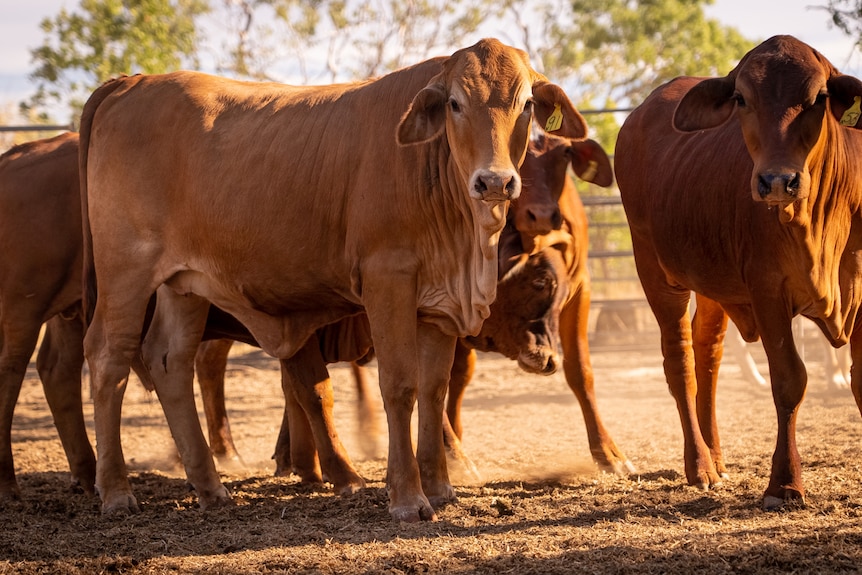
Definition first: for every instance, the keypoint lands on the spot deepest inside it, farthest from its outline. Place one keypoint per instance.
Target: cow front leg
(789, 380)
(710, 326)
(168, 352)
(856, 367)
(436, 353)
(60, 359)
(579, 377)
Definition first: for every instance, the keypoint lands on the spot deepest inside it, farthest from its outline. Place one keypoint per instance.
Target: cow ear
(845, 99)
(425, 118)
(591, 163)
(709, 104)
(555, 113)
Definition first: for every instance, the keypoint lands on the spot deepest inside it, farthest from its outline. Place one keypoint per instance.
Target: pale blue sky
(19, 32)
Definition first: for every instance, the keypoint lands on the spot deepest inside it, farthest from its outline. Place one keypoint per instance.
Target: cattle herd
(417, 218)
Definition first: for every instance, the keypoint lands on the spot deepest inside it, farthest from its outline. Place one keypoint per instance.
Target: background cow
(271, 201)
(40, 281)
(746, 190)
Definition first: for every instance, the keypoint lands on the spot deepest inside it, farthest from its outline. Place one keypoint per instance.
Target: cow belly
(278, 334)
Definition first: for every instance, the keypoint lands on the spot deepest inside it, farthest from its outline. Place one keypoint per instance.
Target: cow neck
(463, 272)
(825, 229)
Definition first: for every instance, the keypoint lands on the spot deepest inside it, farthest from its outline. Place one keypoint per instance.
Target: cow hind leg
(460, 375)
(60, 359)
(295, 449)
(856, 368)
(17, 342)
(210, 366)
(304, 375)
(168, 352)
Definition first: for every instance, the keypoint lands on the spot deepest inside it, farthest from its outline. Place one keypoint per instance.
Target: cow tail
(89, 273)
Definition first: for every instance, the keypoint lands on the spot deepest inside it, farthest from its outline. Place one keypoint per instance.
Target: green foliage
(107, 38)
(847, 17)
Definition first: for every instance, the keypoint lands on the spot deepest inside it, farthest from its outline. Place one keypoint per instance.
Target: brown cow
(746, 190)
(272, 202)
(550, 216)
(40, 281)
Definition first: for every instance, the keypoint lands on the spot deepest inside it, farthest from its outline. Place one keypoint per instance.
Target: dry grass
(542, 508)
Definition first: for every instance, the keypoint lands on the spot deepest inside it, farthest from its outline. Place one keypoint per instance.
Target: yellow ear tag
(590, 172)
(555, 120)
(851, 116)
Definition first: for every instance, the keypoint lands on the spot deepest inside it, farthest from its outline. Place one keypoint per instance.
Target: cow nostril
(764, 185)
(794, 184)
(480, 186)
(511, 186)
(557, 220)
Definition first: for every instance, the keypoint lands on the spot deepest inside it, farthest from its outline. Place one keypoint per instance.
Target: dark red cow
(747, 190)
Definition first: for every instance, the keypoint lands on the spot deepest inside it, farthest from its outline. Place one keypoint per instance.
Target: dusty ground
(542, 508)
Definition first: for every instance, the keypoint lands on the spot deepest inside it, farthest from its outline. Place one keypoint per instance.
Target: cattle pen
(539, 507)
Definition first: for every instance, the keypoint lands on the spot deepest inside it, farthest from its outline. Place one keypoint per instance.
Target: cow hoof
(121, 505)
(350, 487)
(216, 499)
(440, 501)
(412, 514)
(791, 497)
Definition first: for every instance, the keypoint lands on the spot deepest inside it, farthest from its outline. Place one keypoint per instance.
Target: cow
(745, 190)
(549, 216)
(543, 263)
(40, 281)
(291, 208)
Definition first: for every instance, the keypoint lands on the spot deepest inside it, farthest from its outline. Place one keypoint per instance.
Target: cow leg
(709, 328)
(460, 375)
(210, 367)
(168, 352)
(579, 376)
(59, 362)
(856, 367)
(295, 450)
(463, 367)
(789, 379)
(670, 307)
(304, 375)
(369, 431)
(110, 359)
(436, 354)
(19, 333)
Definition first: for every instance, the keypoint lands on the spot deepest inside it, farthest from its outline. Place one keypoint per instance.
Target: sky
(756, 19)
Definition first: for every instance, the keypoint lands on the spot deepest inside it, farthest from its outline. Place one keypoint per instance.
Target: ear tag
(555, 120)
(590, 172)
(851, 116)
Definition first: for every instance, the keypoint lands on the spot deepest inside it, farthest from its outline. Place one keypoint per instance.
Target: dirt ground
(542, 507)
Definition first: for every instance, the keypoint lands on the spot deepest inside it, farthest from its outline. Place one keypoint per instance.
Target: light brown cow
(747, 190)
(40, 281)
(293, 207)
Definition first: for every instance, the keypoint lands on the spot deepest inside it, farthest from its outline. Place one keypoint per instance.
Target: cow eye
(821, 98)
(528, 107)
(740, 101)
(454, 106)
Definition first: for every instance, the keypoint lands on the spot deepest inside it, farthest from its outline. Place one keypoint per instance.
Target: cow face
(544, 173)
(524, 320)
(787, 98)
(484, 100)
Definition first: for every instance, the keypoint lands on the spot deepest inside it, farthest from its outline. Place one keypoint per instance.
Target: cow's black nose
(779, 184)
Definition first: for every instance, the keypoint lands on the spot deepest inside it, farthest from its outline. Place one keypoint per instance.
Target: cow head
(544, 173)
(524, 320)
(787, 98)
(484, 101)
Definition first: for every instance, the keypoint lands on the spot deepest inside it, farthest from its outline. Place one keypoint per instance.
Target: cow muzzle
(780, 188)
(540, 360)
(495, 186)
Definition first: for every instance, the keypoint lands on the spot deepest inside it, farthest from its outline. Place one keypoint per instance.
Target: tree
(107, 38)
(847, 17)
